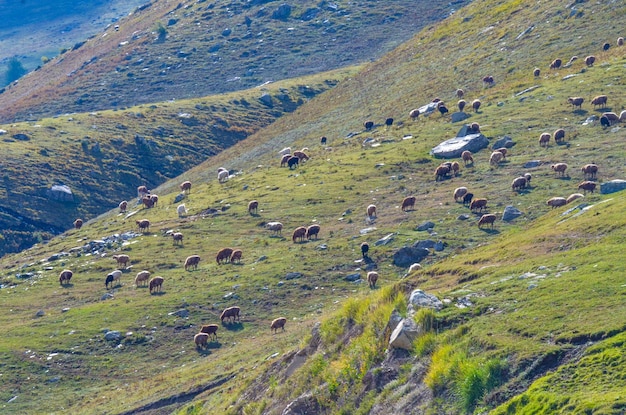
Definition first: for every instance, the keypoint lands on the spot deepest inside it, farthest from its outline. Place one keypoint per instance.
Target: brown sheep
(600, 101)
(556, 202)
(590, 171)
(537, 72)
(502, 150)
(589, 60)
(142, 278)
(612, 117)
(301, 155)
(519, 183)
(441, 172)
(459, 192)
(155, 284)
(284, 160)
(574, 196)
(148, 202)
(371, 211)
(299, 233)
(476, 105)
(278, 323)
(528, 177)
(210, 329)
(192, 261)
(185, 187)
(236, 256)
(78, 223)
(467, 158)
(223, 256)
(312, 230)
(556, 64)
(230, 312)
(155, 199)
(372, 277)
(177, 238)
(142, 191)
(587, 186)
(65, 276)
(559, 135)
(253, 206)
(143, 225)
(461, 104)
(544, 139)
(122, 260)
(123, 206)
(414, 114)
(488, 80)
(571, 61)
(576, 101)
(474, 127)
(620, 41)
(559, 169)
(495, 158)
(487, 219)
(460, 93)
(478, 204)
(201, 340)
(408, 203)
(455, 167)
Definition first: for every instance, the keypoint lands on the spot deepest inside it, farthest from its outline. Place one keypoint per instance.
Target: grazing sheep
(155, 199)
(230, 313)
(201, 340)
(177, 238)
(442, 108)
(142, 191)
(559, 169)
(292, 162)
(559, 135)
(476, 105)
(121, 259)
(461, 104)
(519, 183)
(299, 233)
(389, 122)
(284, 151)
(65, 276)
(576, 101)
(414, 267)
(612, 117)
(528, 177)
(467, 199)
(478, 204)
(275, 227)
(368, 125)
(502, 150)
(455, 167)
(112, 277)
(371, 211)
(181, 210)
(606, 46)
(78, 223)
(123, 206)
(622, 116)
(312, 230)
(219, 169)
(600, 100)
(253, 206)
(365, 247)
(222, 176)
(537, 72)
(148, 202)
(571, 61)
(441, 172)
(143, 225)
(414, 114)
(301, 155)
(285, 159)
(372, 277)
(323, 140)
(590, 170)
(604, 122)
(474, 127)
(142, 278)
(460, 93)
(496, 158)
(223, 256)
(459, 192)
(556, 202)
(467, 158)
(544, 139)
(488, 80)
(278, 323)
(185, 187)
(210, 329)
(587, 186)
(408, 203)
(192, 261)
(488, 219)
(556, 64)
(620, 41)
(236, 256)
(574, 196)
(155, 284)
(589, 60)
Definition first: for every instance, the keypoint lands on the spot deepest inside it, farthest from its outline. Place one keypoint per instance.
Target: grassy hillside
(532, 320)
(167, 50)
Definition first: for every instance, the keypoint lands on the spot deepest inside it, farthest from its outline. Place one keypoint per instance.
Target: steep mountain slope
(528, 304)
(171, 50)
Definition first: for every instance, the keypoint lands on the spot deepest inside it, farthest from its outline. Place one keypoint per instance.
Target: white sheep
(222, 176)
(286, 150)
(276, 227)
(181, 210)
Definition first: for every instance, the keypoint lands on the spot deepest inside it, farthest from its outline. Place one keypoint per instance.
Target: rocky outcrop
(453, 147)
(612, 186)
(408, 255)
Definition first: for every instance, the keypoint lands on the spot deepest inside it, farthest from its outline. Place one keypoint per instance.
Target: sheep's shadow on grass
(564, 178)
(602, 110)
(214, 344)
(254, 215)
(202, 351)
(67, 285)
(490, 231)
(158, 293)
(236, 326)
(581, 112)
(282, 238)
(237, 264)
(564, 144)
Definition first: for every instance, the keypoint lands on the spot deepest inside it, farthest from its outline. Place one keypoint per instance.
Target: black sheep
(365, 247)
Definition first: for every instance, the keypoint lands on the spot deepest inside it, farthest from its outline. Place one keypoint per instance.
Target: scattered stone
(532, 163)
(453, 147)
(262, 258)
(65, 310)
(25, 275)
(21, 137)
(113, 336)
(463, 216)
(60, 193)
(179, 197)
(427, 244)
(459, 116)
(227, 32)
(394, 319)
(404, 334)
(506, 142)
(282, 12)
(182, 313)
(440, 246)
(106, 296)
(353, 277)
(322, 247)
(420, 299)
(293, 275)
(40, 313)
(424, 226)
(266, 99)
(591, 120)
(408, 255)
(385, 240)
(612, 186)
(510, 213)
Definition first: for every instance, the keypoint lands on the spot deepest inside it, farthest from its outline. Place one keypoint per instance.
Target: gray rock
(385, 240)
(266, 99)
(21, 137)
(180, 197)
(293, 275)
(353, 277)
(322, 247)
(404, 334)
(182, 313)
(367, 230)
(612, 186)
(304, 404)
(453, 147)
(65, 310)
(40, 313)
(511, 213)
(427, 244)
(506, 142)
(282, 12)
(459, 116)
(420, 299)
(532, 163)
(428, 108)
(60, 193)
(408, 255)
(113, 336)
(463, 216)
(424, 226)
(262, 258)
(394, 319)
(227, 31)
(25, 275)
(439, 246)
(106, 296)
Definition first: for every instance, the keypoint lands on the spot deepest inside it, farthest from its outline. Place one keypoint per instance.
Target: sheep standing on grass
(275, 227)
(78, 223)
(544, 139)
(365, 247)
(223, 256)
(122, 260)
(461, 104)
(556, 202)
(414, 114)
(559, 169)
(185, 187)
(408, 203)
(312, 231)
(123, 206)
(142, 278)
(476, 105)
(236, 256)
(478, 204)
(192, 261)
(230, 313)
(371, 211)
(177, 238)
(65, 276)
(210, 329)
(519, 183)
(496, 158)
(556, 64)
(467, 158)
(459, 192)
(222, 176)
(372, 277)
(576, 101)
(587, 186)
(253, 207)
(201, 340)
(112, 277)
(278, 323)
(599, 101)
(299, 233)
(488, 219)
(285, 159)
(155, 284)
(181, 210)
(590, 171)
(559, 135)
(574, 196)
(143, 225)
